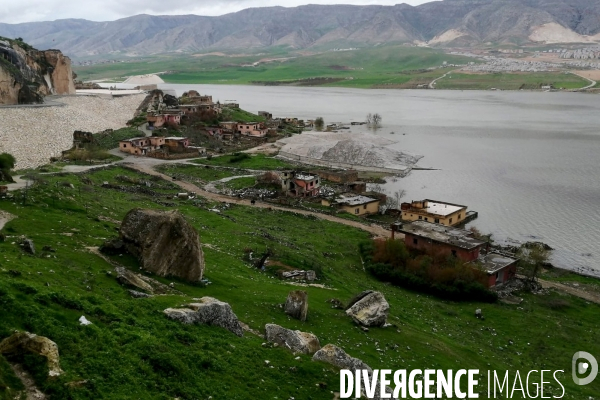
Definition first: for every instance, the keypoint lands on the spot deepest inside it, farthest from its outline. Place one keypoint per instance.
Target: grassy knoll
(239, 115)
(241, 183)
(197, 174)
(511, 81)
(254, 161)
(360, 68)
(132, 350)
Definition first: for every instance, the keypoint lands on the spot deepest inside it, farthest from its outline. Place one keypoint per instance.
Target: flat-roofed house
(252, 129)
(354, 204)
(177, 144)
(138, 145)
(438, 212)
(499, 268)
(440, 240)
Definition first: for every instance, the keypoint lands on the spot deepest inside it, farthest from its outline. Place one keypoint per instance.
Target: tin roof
(494, 262)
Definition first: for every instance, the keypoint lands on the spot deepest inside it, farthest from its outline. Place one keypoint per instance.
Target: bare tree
(369, 119)
(376, 120)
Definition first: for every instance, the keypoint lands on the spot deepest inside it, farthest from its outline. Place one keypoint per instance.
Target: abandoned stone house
(354, 204)
(265, 114)
(438, 240)
(300, 184)
(81, 139)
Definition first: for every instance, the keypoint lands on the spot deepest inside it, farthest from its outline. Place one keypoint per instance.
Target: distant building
(300, 184)
(441, 241)
(439, 212)
(354, 204)
(253, 129)
(141, 145)
(231, 125)
(265, 114)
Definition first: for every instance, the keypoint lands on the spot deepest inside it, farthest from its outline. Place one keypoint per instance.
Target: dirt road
(373, 229)
(589, 296)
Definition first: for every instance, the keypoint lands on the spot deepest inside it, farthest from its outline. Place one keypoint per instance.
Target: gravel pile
(34, 134)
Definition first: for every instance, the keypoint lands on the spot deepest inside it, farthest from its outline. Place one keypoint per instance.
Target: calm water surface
(528, 162)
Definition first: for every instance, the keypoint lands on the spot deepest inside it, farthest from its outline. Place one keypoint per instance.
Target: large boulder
(336, 356)
(131, 279)
(209, 311)
(295, 341)
(21, 342)
(165, 243)
(371, 309)
(296, 304)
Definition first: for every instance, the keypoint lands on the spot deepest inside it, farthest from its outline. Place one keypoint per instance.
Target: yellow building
(353, 204)
(434, 211)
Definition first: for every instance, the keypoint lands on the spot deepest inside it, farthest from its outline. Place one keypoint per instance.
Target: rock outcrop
(338, 357)
(296, 304)
(209, 311)
(295, 341)
(369, 308)
(21, 342)
(27, 74)
(164, 242)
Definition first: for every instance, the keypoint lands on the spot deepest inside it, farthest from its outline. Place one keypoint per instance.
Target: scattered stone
(336, 303)
(209, 311)
(296, 304)
(27, 245)
(138, 295)
(48, 249)
(20, 342)
(478, 313)
(84, 321)
(165, 243)
(128, 278)
(295, 341)
(371, 309)
(299, 275)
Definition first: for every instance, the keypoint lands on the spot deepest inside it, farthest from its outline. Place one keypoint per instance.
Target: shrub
(238, 157)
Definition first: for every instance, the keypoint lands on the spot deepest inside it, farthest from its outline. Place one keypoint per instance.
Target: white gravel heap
(359, 149)
(34, 134)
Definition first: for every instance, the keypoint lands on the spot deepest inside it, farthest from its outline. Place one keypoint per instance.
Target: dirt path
(432, 83)
(593, 297)
(592, 82)
(373, 229)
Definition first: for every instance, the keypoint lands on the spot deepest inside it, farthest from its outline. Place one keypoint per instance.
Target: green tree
(7, 162)
(319, 124)
(533, 256)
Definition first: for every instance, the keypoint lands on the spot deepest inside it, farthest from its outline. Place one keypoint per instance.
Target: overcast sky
(16, 11)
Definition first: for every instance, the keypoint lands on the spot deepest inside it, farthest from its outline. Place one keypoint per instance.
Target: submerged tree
(319, 124)
(373, 120)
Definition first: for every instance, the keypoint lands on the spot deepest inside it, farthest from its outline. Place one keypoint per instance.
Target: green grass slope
(132, 351)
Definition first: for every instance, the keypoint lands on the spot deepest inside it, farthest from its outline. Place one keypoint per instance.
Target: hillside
(132, 350)
(465, 22)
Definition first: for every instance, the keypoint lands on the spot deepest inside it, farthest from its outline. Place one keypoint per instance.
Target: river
(526, 161)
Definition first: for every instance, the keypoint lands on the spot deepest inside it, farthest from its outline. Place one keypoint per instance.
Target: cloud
(108, 10)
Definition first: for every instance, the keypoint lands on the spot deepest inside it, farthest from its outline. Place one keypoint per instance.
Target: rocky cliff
(27, 74)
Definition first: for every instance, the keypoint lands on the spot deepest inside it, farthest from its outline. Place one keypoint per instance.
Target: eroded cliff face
(27, 74)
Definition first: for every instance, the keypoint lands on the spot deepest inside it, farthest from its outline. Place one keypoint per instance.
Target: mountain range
(442, 23)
